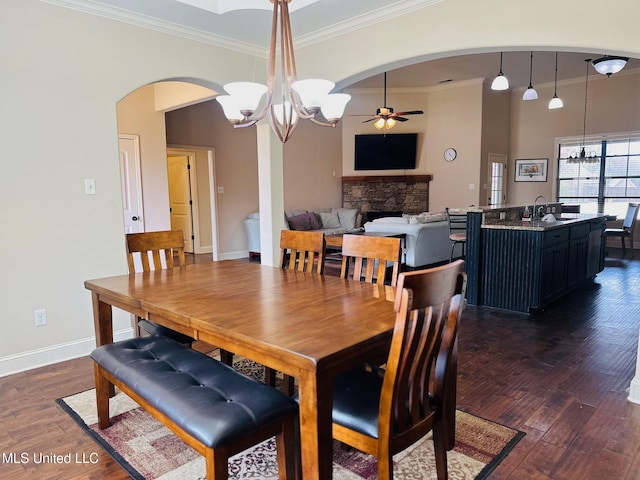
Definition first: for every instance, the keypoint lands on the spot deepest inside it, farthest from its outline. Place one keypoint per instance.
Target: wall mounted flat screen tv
(386, 152)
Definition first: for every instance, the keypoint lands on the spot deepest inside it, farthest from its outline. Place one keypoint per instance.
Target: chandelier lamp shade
(530, 93)
(609, 64)
(500, 82)
(556, 102)
(287, 98)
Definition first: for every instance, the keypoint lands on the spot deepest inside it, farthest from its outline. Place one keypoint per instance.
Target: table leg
(316, 441)
(103, 326)
(102, 321)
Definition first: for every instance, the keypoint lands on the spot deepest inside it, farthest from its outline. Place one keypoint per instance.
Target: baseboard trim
(634, 390)
(41, 357)
(234, 255)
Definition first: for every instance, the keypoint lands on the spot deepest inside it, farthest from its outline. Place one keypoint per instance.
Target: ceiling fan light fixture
(500, 82)
(609, 64)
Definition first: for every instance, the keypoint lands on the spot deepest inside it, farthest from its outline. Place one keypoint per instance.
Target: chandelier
(585, 156)
(290, 99)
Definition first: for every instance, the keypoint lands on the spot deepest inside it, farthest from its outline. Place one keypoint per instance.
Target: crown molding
(138, 20)
(370, 18)
(362, 21)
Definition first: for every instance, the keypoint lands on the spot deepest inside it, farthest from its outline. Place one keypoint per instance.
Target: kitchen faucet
(539, 211)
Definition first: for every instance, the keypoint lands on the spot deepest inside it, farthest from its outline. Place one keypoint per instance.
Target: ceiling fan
(385, 117)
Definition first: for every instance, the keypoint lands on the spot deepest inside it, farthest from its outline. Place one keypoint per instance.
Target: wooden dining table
(309, 326)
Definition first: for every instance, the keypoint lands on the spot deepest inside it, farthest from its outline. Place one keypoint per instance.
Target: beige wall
(613, 106)
(66, 71)
(236, 170)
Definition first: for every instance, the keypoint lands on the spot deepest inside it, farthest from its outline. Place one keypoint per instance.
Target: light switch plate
(89, 186)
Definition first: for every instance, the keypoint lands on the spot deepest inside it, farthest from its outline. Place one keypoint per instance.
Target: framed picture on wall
(531, 169)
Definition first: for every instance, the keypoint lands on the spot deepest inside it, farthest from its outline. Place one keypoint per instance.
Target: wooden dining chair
(369, 256)
(384, 411)
(156, 251)
(628, 225)
(300, 251)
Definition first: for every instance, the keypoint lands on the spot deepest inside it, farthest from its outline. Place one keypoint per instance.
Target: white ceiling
(246, 24)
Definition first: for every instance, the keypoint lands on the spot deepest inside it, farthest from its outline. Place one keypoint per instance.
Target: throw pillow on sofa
(330, 220)
(347, 216)
(305, 221)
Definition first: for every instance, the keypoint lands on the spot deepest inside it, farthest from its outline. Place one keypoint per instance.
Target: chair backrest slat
(367, 251)
(163, 245)
(302, 251)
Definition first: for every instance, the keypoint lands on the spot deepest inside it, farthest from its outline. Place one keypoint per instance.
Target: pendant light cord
(586, 87)
(531, 71)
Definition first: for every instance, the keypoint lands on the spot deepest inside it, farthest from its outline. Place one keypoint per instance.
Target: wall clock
(450, 154)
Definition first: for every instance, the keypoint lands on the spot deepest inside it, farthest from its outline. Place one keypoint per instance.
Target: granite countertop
(565, 219)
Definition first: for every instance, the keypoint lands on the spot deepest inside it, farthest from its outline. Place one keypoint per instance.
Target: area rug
(147, 450)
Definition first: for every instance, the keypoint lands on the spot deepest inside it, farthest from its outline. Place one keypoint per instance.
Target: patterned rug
(148, 450)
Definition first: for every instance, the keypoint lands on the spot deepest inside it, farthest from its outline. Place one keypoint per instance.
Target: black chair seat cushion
(209, 400)
(155, 329)
(356, 399)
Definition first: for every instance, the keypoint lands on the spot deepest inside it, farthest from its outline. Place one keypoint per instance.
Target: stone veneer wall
(405, 193)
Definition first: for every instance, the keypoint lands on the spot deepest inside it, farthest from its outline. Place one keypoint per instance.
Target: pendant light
(500, 82)
(585, 156)
(609, 64)
(530, 93)
(555, 101)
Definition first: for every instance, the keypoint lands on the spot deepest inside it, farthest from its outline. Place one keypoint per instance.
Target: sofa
(328, 221)
(427, 237)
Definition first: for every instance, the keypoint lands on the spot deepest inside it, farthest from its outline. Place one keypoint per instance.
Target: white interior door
(131, 183)
(180, 197)
(497, 194)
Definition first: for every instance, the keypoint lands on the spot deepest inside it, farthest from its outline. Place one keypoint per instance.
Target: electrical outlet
(40, 317)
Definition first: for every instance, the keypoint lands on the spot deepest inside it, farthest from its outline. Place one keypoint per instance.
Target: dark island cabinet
(523, 269)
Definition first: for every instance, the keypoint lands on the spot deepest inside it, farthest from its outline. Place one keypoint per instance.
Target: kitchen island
(524, 265)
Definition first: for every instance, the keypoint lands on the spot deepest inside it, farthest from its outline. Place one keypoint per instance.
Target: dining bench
(213, 408)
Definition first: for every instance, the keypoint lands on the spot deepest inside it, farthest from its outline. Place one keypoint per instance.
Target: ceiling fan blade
(370, 120)
(413, 112)
(400, 119)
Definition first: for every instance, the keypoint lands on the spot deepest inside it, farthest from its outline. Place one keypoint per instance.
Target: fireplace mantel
(388, 178)
(387, 193)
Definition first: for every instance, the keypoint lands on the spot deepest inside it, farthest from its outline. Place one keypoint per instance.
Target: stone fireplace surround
(386, 195)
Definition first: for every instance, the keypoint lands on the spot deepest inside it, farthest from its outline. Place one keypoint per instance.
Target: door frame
(191, 152)
(194, 227)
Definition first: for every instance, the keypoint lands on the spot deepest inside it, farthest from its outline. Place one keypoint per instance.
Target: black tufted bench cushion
(214, 408)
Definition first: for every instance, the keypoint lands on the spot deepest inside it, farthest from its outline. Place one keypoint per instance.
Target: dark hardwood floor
(561, 375)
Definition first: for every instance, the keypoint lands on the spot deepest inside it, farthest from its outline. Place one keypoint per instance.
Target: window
(605, 184)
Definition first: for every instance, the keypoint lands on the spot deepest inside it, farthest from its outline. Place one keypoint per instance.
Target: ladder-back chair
(384, 411)
(369, 255)
(300, 251)
(628, 226)
(156, 251)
